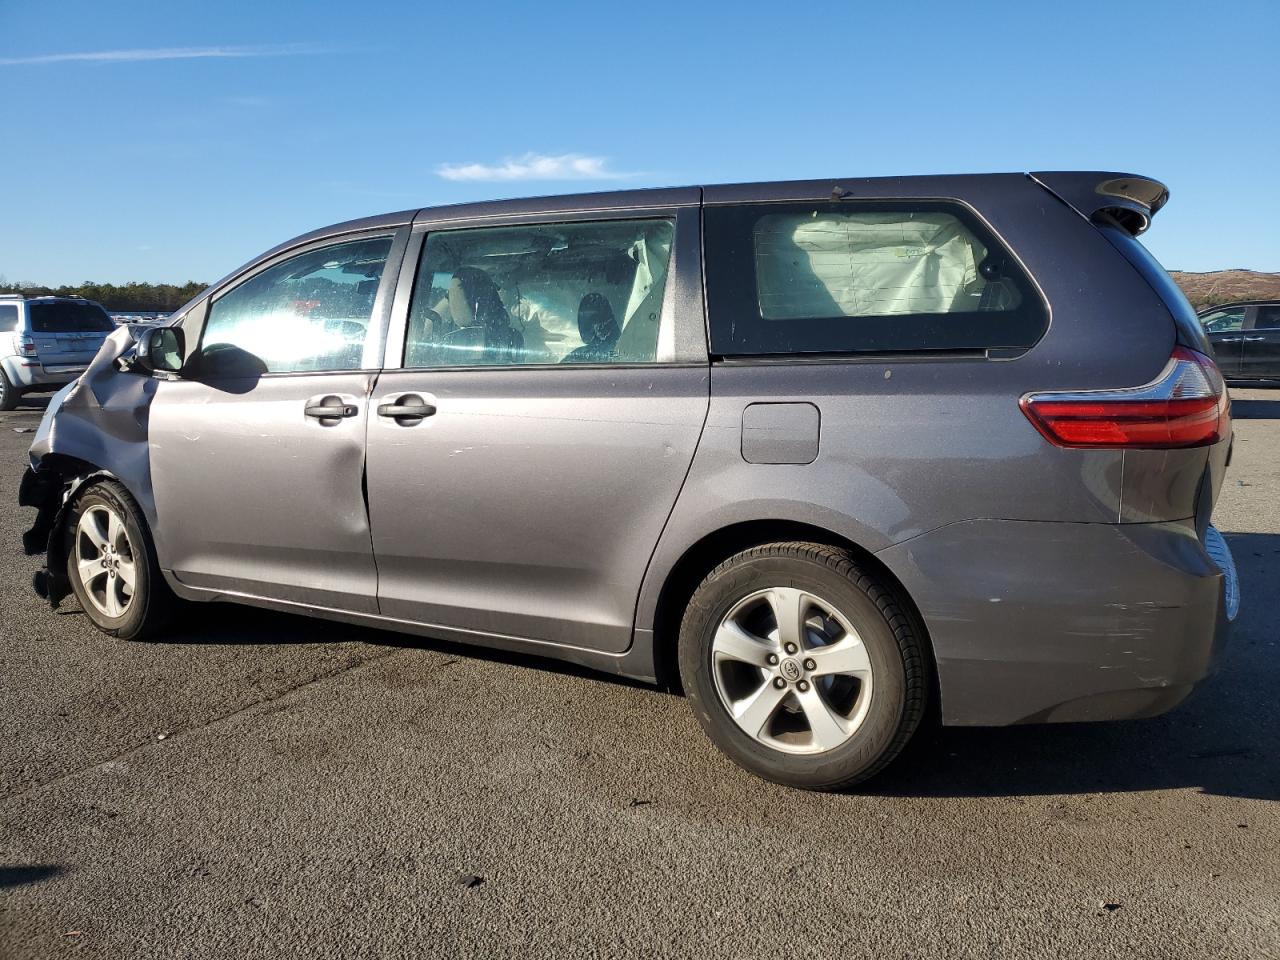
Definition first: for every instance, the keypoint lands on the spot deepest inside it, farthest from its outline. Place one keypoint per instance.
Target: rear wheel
(8, 393)
(802, 667)
(112, 566)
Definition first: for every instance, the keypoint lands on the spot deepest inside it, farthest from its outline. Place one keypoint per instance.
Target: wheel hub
(791, 670)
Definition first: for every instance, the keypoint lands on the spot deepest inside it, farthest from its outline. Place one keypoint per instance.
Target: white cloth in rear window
(870, 264)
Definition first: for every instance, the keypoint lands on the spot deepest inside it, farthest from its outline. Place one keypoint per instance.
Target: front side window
(8, 317)
(1224, 321)
(844, 276)
(567, 293)
(308, 313)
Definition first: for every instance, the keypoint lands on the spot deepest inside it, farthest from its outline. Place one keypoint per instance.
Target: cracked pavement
(266, 785)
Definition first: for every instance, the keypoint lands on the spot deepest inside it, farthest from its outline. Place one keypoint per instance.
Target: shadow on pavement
(1255, 409)
(1221, 741)
(32, 403)
(225, 623)
(19, 876)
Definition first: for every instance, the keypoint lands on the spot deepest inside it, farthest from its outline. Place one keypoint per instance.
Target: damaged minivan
(829, 456)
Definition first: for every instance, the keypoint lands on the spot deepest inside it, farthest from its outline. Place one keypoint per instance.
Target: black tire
(9, 394)
(892, 641)
(151, 604)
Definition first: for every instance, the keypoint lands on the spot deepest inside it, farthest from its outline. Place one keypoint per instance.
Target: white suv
(46, 342)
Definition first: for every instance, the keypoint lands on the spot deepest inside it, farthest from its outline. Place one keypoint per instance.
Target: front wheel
(802, 667)
(111, 563)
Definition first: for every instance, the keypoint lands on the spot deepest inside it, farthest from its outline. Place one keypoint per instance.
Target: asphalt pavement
(266, 785)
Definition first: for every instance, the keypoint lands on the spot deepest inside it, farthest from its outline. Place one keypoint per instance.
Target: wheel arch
(60, 480)
(711, 550)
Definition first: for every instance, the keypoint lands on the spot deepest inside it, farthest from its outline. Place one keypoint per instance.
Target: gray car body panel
(548, 509)
(1063, 622)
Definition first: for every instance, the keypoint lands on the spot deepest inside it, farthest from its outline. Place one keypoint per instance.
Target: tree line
(124, 298)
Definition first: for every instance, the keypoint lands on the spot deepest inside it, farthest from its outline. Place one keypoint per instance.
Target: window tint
(68, 316)
(310, 312)
(8, 317)
(845, 276)
(1222, 321)
(1268, 318)
(540, 294)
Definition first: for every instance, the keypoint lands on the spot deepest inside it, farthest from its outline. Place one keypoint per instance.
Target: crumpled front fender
(93, 429)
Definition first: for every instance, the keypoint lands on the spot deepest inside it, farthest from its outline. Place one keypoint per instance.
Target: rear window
(69, 316)
(8, 317)
(851, 277)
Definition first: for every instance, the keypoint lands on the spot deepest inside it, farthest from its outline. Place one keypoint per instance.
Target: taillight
(1185, 406)
(25, 345)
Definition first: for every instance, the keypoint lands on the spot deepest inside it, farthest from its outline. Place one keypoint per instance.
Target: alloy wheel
(791, 671)
(105, 561)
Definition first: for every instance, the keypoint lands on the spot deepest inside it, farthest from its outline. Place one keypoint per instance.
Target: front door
(1261, 357)
(257, 451)
(524, 459)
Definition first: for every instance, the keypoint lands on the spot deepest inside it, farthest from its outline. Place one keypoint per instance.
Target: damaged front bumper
(94, 427)
(48, 492)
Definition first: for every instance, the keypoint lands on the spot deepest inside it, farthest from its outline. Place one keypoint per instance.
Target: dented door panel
(264, 499)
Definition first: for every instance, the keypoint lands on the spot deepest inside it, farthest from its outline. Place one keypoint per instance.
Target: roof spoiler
(1121, 198)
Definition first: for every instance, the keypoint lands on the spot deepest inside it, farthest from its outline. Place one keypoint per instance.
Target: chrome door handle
(1229, 340)
(1254, 339)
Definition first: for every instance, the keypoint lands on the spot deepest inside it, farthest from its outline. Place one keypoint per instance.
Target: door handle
(1229, 340)
(331, 408)
(408, 410)
(1254, 339)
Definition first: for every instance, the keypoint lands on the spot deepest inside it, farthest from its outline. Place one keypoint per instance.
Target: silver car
(46, 342)
(830, 456)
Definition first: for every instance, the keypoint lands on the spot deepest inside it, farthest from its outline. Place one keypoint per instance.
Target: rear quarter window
(8, 317)
(863, 277)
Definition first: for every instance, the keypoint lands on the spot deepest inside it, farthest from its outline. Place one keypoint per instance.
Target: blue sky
(171, 141)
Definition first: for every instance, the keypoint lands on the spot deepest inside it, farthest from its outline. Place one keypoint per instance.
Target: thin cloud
(163, 53)
(534, 166)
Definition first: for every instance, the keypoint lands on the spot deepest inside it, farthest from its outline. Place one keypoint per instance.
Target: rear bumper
(27, 374)
(1046, 622)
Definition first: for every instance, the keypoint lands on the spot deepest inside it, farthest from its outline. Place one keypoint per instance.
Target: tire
(9, 394)
(107, 543)
(859, 685)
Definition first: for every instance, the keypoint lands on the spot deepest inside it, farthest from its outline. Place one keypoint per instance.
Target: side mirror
(160, 348)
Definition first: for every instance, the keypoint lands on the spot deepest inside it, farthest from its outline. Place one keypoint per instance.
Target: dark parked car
(1245, 338)
(822, 453)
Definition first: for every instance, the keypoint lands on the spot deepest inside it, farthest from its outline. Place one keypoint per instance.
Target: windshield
(69, 316)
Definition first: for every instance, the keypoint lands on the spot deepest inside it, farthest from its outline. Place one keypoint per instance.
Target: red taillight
(26, 346)
(1186, 406)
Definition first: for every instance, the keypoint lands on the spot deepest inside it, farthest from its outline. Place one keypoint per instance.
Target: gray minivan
(826, 455)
